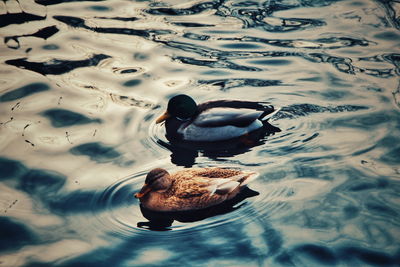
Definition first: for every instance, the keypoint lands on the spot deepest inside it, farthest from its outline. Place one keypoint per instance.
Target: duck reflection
(184, 153)
(162, 221)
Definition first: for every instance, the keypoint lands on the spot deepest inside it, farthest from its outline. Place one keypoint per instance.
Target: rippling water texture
(83, 81)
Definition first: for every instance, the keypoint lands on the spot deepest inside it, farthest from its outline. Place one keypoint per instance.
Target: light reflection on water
(82, 82)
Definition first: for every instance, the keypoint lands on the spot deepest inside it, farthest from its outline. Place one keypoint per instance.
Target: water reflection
(82, 82)
(161, 221)
(24, 91)
(184, 153)
(16, 236)
(56, 66)
(18, 18)
(65, 118)
(78, 22)
(44, 33)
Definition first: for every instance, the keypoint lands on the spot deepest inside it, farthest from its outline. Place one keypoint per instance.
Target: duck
(213, 121)
(191, 189)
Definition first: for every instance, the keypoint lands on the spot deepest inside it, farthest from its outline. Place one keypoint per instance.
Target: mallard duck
(191, 189)
(214, 120)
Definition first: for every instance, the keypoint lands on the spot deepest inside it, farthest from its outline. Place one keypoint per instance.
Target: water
(83, 81)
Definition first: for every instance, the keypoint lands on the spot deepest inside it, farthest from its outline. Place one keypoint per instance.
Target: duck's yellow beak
(145, 189)
(163, 117)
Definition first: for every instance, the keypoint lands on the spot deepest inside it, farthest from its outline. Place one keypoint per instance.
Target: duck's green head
(182, 107)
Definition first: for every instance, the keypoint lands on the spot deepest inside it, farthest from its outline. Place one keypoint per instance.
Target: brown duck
(191, 189)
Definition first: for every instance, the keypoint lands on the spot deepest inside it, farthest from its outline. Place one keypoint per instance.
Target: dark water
(83, 81)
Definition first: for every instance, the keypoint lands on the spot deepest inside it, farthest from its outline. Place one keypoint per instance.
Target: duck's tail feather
(245, 177)
(270, 129)
(266, 125)
(269, 110)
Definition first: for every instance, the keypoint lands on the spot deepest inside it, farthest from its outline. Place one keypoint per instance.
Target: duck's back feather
(207, 181)
(196, 133)
(217, 117)
(263, 106)
(219, 120)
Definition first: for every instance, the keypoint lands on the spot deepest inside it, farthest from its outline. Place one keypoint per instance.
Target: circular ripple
(156, 134)
(119, 207)
(121, 214)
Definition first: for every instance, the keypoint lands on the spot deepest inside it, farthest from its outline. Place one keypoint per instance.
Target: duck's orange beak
(145, 189)
(163, 117)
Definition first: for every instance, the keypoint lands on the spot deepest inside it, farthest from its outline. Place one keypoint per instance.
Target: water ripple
(65, 118)
(296, 110)
(262, 18)
(24, 91)
(56, 66)
(329, 177)
(120, 210)
(222, 59)
(16, 236)
(215, 64)
(226, 84)
(325, 43)
(18, 18)
(43, 33)
(56, 2)
(391, 12)
(96, 151)
(80, 23)
(193, 10)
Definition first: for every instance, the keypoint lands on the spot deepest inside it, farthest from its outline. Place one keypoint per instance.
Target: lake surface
(82, 82)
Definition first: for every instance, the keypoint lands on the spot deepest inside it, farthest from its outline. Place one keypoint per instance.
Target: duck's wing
(192, 188)
(223, 116)
(207, 182)
(224, 181)
(203, 187)
(222, 186)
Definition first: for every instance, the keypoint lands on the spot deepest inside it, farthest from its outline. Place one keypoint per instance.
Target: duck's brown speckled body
(191, 189)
